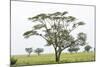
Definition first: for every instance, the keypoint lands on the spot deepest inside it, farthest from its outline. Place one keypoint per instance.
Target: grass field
(50, 59)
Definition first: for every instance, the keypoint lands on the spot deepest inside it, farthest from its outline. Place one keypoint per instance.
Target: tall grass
(50, 58)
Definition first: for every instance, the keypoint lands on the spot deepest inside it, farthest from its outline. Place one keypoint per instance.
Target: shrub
(13, 61)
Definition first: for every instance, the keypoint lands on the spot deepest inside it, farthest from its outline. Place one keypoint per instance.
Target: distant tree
(56, 29)
(38, 51)
(70, 50)
(29, 51)
(94, 49)
(87, 48)
(73, 49)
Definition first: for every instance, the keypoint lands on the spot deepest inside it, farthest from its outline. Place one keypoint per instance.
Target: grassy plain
(50, 58)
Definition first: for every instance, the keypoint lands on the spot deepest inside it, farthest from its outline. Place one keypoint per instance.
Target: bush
(13, 61)
(87, 48)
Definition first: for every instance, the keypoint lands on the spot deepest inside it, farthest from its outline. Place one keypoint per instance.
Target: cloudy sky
(21, 11)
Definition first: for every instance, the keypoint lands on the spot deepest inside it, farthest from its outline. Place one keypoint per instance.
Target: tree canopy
(73, 49)
(38, 51)
(87, 48)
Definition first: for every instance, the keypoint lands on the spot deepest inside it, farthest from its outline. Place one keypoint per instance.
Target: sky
(21, 11)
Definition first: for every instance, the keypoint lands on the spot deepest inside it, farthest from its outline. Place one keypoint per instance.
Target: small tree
(38, 51)
(73, 49)
(87, 48)
(29, 51)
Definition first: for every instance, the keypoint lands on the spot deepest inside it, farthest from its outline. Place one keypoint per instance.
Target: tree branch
(65, 47)
(43, 37)
(72, 29)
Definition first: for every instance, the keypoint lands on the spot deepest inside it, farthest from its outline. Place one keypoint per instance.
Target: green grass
(50, 59)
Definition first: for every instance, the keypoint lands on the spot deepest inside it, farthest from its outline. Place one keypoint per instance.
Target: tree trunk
(38, 54)
(29, 55)
(57, 56)
(59, 53)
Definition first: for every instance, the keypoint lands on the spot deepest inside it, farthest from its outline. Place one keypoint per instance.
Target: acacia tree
(87, 48)
(73, 49)
(57, 28)
(38, 51)
(29, 51)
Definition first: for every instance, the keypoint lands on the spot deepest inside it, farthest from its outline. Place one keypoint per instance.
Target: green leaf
(82, 36)
(30, 33)
(27, 33)
(39, 26)
(55, 14)
(71, 19)
(65, 12)
(81, 23)
(35, 18)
